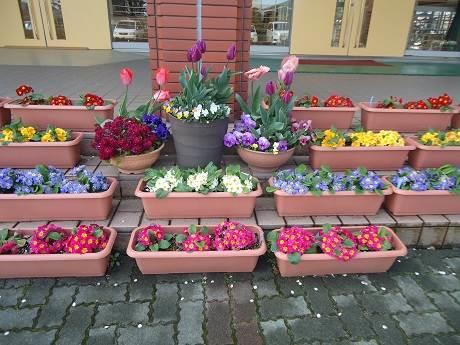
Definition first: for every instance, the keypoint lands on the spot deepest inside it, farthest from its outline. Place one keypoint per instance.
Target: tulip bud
(270, 88)
(231, 52)
(126, 76)
(204, 71)
(201, 45)
(288, 78)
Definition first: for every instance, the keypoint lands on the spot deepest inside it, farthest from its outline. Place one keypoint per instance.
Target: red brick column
(172, 30)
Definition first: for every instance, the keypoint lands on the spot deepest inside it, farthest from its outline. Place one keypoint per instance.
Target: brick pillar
(172, 30)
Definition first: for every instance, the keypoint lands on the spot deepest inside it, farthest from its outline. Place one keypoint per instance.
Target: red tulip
(162, 76)
(126, 76)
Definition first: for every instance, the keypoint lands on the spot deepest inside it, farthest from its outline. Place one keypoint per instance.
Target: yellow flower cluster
(382, 138)
(439, 138)
(332, 138)
(26, 134)
(7, 135)
(58, 134)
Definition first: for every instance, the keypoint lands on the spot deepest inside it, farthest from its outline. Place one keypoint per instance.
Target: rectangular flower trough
(30, 154)
(57, 265)
(73, 117)
(404, 120)
(322, 264)
(427, 156)
(5, 114)
(373, 158)
(326, 117)
(346, 203)
(456, 118)
(409, 202)
(35, 207)
(161, 262)
(196, 205)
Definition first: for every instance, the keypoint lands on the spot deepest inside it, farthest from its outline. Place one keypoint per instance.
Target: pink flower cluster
(196, 242)
(233, 236)
(338, 242)
(9, 247)
(150, 234)
(294, 240)
(370, 239)
(48, 239)
(87, 239)
(123, 136)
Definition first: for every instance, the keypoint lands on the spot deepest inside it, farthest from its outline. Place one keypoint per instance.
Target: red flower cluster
(92, 100)
(335, 101)
(9, 247)
(48, 239)
(338, 242)
(233, 236)
(86, 239)
(370, 238)
(430, 103)
(123, 136)
(60, 100)
(150, 234)
(196, 242)
(23, 90)
(294, 240)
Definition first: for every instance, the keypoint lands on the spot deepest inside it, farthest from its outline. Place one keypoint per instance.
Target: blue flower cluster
(157, 125)
(48, 180)
(443, 178)
(303, 180)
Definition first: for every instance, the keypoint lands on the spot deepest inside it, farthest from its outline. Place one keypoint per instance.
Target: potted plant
(198, 193)
(60, 111)
(303, 192)
(5, 114)
(434, 149)
(199, 114)
(427, 191)
(335, 111)
(334, 250)
(266, 136)
(25, 146)
(52, 251)
(227, 247)
(383, 150)
(413, 116)
(47, 193)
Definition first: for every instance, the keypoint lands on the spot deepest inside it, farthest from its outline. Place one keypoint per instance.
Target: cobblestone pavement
(417, 302)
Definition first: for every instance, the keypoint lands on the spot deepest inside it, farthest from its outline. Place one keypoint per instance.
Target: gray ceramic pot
(197, 144)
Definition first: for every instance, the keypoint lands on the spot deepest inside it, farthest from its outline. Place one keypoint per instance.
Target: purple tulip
(248, 139)
(193, 54)
(270, 88)
(201, 45)
(204, 71)
(230, 140)
(231, 52)
(287, 97)
(263, 143)
(288, 78)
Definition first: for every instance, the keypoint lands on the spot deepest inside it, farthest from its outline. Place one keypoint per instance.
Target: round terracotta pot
(136, 164)
(264, 161)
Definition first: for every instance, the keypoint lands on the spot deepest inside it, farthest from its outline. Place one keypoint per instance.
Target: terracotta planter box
(196, 205)
(326, 117)
(84, 206)
(264, 161)
(5, 114)
(73, 117)
(322, 264)
(403, 120)
(30, 154)
(408, 202)
(373, 158)
(345, 203)
(425, 156)
(196, 262)
(57, 265)
(456, 118)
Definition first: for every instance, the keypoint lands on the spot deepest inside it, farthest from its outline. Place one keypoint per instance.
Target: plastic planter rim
(366, 106)
(13, 104)
(77, 137)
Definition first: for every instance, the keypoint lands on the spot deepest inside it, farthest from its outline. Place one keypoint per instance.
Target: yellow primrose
(61, 134)
(7, 135)
(47, 137)
(27, 132)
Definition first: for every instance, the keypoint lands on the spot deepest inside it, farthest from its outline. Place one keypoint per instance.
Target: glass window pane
(26, 20)
(58, 19)
(271, 21)
(129, 20)
(338, 21)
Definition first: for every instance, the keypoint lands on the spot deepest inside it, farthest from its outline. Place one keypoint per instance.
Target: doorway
(54, 23)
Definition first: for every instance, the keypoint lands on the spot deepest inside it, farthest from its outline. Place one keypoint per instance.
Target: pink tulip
(161, 95)
(162, 76)
(126, 76)
(257, 73)
(290, 63)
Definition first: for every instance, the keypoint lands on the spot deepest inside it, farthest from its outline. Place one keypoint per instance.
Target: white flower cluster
(167, 183)
(232, 184)
(199, 111)
(197, 181)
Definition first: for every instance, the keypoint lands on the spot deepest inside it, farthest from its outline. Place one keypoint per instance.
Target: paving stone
(37, 292)
(434, 220)
(165, 306)
(422, 340)
(102, 336)
(408, 221)
(17, 318)
(277, 307)
(9, 297)
(265, 203)
(121, 273)
(352, 317)
(409, 236)
(448, 339)
(190, 325)
(269, 219)
(184, 222)
(354, 220)
(29, 337)
(130, 205)
(432, 236)
(266, 288)
(347, 342)
(218, 323)
(453, 264)
(381, 218)
(448, 306)
(76, 323)
(67, 224)
(263, 270)
(439, 282)
(211, 221)
(383, 304)
(387, 329)
(122, 314)
(126, 221)
(275, 332)
(299, 221)
(289, 287)
(322, 220)
(248, 221)
(456, 295)
(146, 221)
(409, 265)
(324, 329)
(454, 219)
(192, 291)
(152, 335)
(414, 294)
(216, 288)
(383, 282)
(348, 284)
(140, 292)
(434, 259)
(415, 324)
(52, 313)
(16, 283)
(248, 334)
(101, 294)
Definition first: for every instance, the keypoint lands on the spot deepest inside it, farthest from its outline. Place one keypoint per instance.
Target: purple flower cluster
(302, 180)
(444, 178)
(157, 125)
(47, 180)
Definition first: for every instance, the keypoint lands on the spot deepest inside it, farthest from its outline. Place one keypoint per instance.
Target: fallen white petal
(6, 333)
(212, 281)
(316, 289)
(74, 304)
(442, 272)
(116, 284)
(139, 325)
(255, 287)
(292, 292)
(416, 273)
(23, 301)
(318, 315)
(135, 280)
(384, 326)
(251, 300)
(364, 283)
(383, 289)
(339, 314)
(106, 327)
